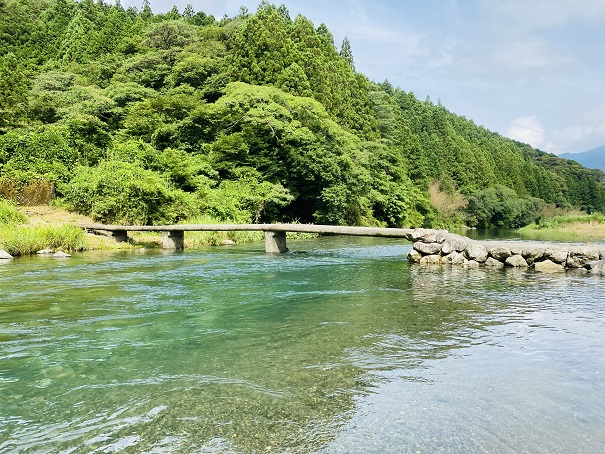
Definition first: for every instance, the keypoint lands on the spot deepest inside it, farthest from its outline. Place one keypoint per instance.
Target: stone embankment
(439, 247)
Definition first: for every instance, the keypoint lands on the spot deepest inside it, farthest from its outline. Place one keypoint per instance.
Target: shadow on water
(228, 349)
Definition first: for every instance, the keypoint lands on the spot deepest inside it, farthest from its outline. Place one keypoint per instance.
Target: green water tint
(232, 350)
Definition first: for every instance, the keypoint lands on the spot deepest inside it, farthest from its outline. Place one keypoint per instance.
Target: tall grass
(9, 214)
(563, 220)
(22, 240)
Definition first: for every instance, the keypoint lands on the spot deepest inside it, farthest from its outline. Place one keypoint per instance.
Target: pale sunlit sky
(532, 70)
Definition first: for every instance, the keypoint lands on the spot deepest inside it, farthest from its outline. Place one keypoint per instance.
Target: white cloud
(527, 129)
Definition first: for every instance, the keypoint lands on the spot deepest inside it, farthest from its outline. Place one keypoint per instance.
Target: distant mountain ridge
(593, 159)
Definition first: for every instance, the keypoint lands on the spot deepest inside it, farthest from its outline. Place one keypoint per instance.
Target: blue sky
(531, 70)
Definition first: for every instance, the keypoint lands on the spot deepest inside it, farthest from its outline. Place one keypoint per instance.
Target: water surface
(340, 347)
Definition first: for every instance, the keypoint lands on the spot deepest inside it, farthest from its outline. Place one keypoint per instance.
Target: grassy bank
(591, 226)
(26, 230)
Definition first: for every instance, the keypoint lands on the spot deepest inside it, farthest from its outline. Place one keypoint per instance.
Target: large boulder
(476, 252)
(516, 261)
(492, 262)
(577, 258)
(431, 260)
(532, 254)
(453, 243)
(500, 253)
(5, 255)
(548, 266)
(414, 256)
(596, 267)
(556, 255)
(427, 248)
(454, 258)
(429, 235)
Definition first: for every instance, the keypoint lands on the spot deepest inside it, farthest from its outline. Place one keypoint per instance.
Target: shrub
(9, 215)
(123, 193)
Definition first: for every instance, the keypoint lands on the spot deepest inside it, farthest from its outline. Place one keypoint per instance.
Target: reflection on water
(342, 348)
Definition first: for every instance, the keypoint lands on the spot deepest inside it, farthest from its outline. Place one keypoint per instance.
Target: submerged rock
(431, 260)
(516, 261)
(61, 254)
(548, 266)
(494, 263)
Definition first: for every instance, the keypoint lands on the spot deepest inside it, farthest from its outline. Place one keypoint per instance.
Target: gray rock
(424, 235)
(414, 256)
(454, 243)
(516, 261)
(472, 264)
(577, 258)
(441, 236)
(494, 263)
(532, 254)
(500, 253)
(45, 252)
(454, 258)
(556, 255)
(591, 265)
(597, 267)
(61, 254)
(548, 266)
(431, 260)
(476, 252)
(5, 255)
(227, 242)
(516, 250)
(427, 248)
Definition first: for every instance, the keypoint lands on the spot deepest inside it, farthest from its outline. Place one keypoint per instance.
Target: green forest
(140, 118)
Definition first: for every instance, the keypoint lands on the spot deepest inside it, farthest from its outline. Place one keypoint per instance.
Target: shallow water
(340, 347)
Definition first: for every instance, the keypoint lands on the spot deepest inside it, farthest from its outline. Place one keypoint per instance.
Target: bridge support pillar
(275, 242)
(121, 236)
(173, 239)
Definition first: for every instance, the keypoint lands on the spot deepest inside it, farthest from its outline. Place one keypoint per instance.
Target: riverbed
(340, 346)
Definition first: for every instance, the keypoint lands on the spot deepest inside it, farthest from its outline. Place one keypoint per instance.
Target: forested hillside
(136, 117)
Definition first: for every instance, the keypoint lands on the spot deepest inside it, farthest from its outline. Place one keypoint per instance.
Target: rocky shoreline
(439, 247)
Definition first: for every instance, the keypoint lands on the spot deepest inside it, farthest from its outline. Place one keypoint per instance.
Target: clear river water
(340, 347)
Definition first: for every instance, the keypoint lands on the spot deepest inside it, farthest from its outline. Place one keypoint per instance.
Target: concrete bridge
(430, 247)
(275, 234)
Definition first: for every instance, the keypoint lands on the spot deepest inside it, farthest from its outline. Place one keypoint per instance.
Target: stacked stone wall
(439, 247)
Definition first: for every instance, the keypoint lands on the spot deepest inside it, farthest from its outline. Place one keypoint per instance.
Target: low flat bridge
(275, 234)
(430, 247)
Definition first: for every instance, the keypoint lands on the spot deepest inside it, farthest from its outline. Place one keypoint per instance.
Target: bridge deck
(275, 234)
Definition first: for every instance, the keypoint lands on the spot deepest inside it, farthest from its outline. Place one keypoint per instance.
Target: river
(339, 347)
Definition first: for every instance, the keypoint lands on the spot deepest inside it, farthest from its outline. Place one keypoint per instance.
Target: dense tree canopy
(142, 117)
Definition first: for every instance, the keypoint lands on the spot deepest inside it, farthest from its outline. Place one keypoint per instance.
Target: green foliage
(500, 207)
(145, 118)
(123, 193)
(9, 215)
(45, 152)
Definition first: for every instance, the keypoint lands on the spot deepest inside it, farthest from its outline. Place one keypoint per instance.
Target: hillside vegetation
(133, 117)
